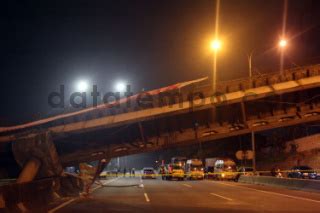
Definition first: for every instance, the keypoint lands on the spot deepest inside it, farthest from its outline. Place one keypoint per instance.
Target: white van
(225, 169)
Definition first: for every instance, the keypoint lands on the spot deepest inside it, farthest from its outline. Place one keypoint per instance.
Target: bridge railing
(268, 79)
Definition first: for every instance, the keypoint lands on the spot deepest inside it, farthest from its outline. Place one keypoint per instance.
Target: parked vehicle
(175, 171)
(148, 172)
(209, 167)
(194, 169)
(70, 169)
(103, 175)
(225, 169)
(178, 167)
(179, 160)
(303, 172)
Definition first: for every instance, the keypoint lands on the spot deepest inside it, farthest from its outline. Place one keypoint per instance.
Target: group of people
(132, 172)
(276, 172)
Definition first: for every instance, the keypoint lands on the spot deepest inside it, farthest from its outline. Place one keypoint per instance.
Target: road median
(290, 183)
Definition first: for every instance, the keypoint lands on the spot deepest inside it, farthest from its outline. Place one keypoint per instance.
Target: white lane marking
(62, 205)
(225, 184)
(106, 182)
(289, 196)
(223, 197)
(95, 188)
(274, 193)
(187, 185)
(73, 199)
(146, 197)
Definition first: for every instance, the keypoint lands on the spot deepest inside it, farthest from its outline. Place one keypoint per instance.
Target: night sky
(149, 44)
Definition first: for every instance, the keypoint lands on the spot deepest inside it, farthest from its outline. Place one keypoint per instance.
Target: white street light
(120, 86)
(82, 86)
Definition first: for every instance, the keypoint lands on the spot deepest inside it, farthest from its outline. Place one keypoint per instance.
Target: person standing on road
(133, 172)
(124, 172)
(118, 171)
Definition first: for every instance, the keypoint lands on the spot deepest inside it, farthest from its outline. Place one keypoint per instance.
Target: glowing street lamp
(215, 45)
(120, 86)
(283, 43)
(82, 86)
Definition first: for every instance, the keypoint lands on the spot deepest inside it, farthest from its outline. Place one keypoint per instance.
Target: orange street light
(283, 43)
(216, 45)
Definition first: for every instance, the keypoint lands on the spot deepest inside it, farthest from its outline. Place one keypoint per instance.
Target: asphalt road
(136, 195)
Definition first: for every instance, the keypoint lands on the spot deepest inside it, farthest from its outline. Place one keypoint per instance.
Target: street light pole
(282, 45)
(250, 66)
(215, 46)
(253, 144)
(214, 74)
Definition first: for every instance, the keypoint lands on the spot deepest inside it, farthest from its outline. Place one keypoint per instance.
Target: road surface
(136, 195)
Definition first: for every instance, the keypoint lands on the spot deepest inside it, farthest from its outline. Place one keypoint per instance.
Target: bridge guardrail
(268, 78)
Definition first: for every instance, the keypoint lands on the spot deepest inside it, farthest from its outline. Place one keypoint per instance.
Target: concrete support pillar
(87, 183)
(2, 202)
(29, 171)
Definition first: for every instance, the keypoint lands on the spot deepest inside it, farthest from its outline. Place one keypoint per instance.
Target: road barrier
(291, 183)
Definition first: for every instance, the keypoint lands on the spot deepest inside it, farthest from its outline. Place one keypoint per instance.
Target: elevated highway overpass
(179, 115)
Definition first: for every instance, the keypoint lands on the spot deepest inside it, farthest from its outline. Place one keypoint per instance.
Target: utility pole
(250, 64)
(250, 67)
(253, 152)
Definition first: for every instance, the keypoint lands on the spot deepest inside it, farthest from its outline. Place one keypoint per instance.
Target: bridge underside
(193, 126)
(177, 117)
